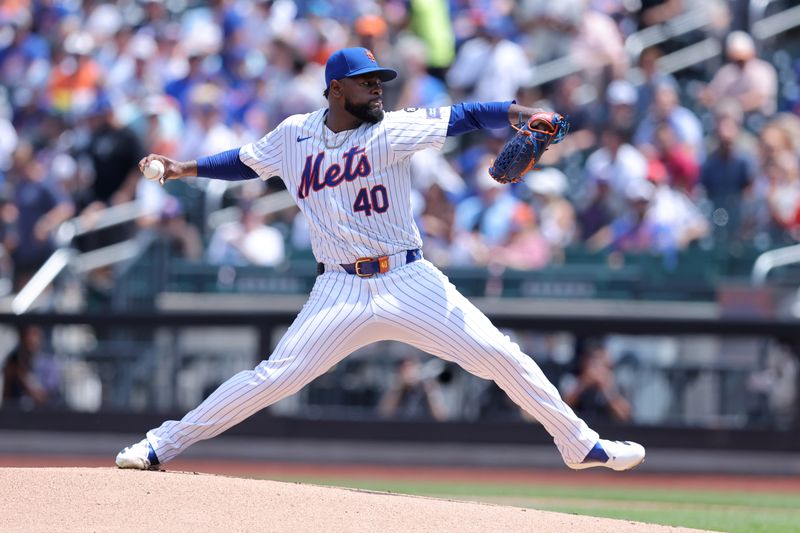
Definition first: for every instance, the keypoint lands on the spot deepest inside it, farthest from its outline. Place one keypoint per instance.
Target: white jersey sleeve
(413, 129)
(265, 156)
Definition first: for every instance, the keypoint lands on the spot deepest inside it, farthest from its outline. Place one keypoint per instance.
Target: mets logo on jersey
(370, 56)
(314, 179)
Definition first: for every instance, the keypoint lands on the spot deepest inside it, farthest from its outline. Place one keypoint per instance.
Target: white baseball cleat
(615, 454)
(139, 456)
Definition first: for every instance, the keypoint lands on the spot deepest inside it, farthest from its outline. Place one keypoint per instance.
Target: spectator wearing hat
(614, 165)
(622, 100)
(556, 214)
(635, 231)
(749, 80)
(371, 31)
(74, 79)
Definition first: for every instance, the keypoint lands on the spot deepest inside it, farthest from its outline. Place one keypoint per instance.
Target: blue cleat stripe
(596, 454)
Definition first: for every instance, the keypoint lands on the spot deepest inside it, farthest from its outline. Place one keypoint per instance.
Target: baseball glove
(524, 149)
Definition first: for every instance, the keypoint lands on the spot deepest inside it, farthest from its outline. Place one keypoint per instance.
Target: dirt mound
(106, 499)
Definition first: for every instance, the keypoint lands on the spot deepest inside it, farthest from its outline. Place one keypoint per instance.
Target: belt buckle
(358, 263)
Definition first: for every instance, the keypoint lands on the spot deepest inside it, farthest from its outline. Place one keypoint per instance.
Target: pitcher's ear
(335, 89)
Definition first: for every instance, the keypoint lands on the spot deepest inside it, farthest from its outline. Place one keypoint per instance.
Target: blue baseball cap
(349, 62)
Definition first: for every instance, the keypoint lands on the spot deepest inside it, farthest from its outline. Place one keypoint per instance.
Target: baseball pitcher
(348, 167)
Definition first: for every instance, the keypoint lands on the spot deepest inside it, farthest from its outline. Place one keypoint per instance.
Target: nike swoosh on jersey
(301, 139)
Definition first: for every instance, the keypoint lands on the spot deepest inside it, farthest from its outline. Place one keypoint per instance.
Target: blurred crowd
(656, 161)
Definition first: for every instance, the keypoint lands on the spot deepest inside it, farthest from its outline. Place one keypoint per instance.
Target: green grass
(733, 511)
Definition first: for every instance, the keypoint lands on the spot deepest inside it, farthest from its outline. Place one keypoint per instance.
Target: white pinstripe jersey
(354, 187)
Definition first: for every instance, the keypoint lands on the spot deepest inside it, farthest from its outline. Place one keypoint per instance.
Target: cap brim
(385, 74)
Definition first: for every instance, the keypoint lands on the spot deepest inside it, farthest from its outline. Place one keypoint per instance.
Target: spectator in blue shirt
(635, 231)
(728, 171)
(42, 206)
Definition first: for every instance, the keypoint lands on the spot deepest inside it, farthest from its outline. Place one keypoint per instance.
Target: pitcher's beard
(364, 112)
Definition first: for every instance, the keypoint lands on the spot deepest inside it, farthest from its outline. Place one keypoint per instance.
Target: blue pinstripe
(491, 354)
(415, 303)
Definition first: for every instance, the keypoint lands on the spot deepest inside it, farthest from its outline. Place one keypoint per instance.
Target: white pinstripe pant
(415, 304)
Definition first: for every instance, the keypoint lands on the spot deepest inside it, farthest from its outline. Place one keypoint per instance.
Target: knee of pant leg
(497, 343)
(289, 372)
(502, 356)
(268, 370)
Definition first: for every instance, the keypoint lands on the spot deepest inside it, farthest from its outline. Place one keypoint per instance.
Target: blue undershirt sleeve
(225, 166)
(471, 116)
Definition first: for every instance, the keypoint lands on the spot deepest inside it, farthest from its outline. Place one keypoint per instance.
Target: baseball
(154, 170)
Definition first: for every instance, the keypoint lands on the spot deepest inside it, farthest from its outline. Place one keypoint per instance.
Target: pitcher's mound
(106, 499)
